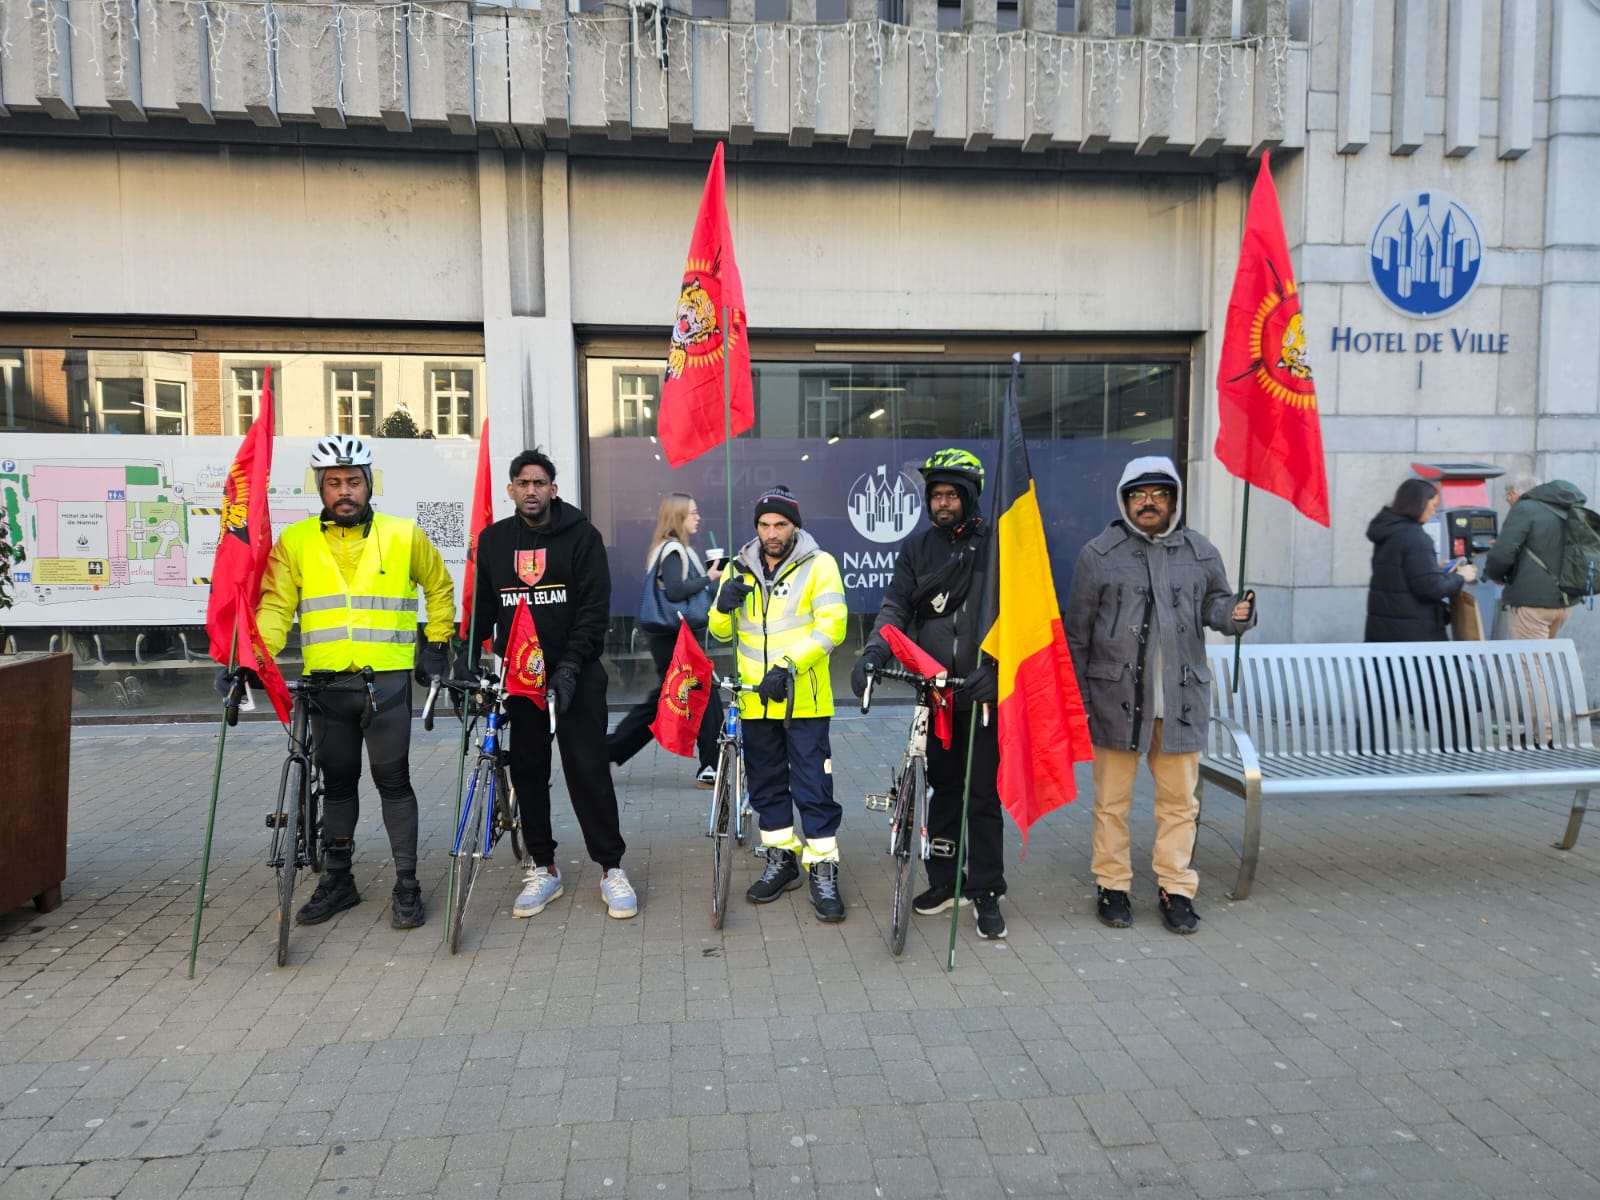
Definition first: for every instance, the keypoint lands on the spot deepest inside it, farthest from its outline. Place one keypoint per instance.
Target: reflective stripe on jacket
(799, 617)
(369, 620)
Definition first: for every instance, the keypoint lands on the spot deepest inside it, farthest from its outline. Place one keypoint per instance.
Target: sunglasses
(1142, 495)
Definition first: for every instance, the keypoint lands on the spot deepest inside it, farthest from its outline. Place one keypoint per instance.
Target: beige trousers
(1532, 623)
(1176, 777)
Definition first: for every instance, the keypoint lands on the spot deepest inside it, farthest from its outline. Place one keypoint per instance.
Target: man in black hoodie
(549, 553)
(933, 598)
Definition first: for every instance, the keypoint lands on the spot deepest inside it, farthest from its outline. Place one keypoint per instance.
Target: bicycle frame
(489, 748)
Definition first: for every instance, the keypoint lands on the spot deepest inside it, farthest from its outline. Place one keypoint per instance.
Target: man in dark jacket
(1143, 593)
(933, 598)
(548, 553)
(1528, 551)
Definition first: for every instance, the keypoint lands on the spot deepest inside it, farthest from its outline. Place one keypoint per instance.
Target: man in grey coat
(1527, 552)
(1143, 593)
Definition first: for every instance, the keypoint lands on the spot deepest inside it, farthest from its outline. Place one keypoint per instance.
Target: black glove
(564, 686)
(872, 657)
(466, 664)
(981, 687)
(775, 686)
(733, 592)
(431, 660)
(224, 681)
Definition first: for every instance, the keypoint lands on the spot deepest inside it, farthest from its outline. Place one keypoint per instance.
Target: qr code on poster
(444, 521)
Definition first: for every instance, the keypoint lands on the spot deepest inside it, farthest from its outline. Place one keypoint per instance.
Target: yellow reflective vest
(355, 593)
(798, 617)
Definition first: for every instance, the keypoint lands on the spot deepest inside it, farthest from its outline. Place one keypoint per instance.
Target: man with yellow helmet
(351, 576)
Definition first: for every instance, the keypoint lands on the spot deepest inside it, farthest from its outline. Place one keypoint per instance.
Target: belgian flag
(1043, 727)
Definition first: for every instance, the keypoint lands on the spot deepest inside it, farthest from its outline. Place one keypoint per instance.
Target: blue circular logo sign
(1425, 254)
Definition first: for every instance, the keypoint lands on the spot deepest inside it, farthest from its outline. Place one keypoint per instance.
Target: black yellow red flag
(524, 665)
(685, 692)
(1043, 729)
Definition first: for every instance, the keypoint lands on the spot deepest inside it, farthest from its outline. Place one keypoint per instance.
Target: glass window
(354, 395)
(451, 401)
(120, 405)
(248, 384)
(170, 413)
(12, 409)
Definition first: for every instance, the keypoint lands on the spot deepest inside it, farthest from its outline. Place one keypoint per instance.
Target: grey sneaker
(540, 885)
(621, 900)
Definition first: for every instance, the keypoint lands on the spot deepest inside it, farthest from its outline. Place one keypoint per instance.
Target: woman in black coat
(1405, 600)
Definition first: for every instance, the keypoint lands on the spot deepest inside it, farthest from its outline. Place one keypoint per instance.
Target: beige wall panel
(1057, 253)
(246, 234)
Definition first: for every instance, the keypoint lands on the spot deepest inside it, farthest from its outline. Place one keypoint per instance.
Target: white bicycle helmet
(340, 450)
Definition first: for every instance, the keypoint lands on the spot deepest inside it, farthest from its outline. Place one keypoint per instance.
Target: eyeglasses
(1141, 495)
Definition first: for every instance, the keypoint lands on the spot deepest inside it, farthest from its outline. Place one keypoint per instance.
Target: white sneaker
(540, 885)
(706, 777)
(621, 900)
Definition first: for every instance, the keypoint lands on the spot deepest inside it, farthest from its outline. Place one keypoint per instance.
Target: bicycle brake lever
(372, 698)
(866, 692)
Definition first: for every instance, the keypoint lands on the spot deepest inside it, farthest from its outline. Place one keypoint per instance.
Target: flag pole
(727, 423)
(961, 841)
(216, 787)
(1244, 539)
(461, 761)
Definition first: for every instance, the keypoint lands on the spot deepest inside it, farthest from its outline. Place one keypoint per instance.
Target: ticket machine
(1465, 526)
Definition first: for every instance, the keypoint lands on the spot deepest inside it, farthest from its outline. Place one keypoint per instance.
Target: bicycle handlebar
(230, 708)
(921, 682)
(371, 705)
(427, 705)
(733, 687)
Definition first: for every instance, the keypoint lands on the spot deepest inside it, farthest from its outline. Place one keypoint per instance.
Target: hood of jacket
(1386, 524)
(1557, 492)
(1154, 464)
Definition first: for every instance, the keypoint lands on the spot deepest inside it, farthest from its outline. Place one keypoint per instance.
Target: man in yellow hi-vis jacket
(789, 601)
(351, 575)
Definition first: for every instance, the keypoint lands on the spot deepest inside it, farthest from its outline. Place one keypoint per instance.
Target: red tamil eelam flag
(524, 665)
(243, 544)
(710, 326)
(914, 658)
(1268, 431)
(481, 516)
(1043, 728)
(685, 692)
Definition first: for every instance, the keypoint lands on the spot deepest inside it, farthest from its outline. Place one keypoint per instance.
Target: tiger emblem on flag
(1294, 358)
(236, 505)
(695, 326)
(680, 682)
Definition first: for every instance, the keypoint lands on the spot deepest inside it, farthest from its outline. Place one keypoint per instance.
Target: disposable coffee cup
(716, 557)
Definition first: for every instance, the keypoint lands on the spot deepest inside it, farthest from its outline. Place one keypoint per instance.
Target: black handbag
(657, 614)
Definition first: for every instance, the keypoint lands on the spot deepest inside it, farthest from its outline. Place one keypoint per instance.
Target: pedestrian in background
(1406, 596)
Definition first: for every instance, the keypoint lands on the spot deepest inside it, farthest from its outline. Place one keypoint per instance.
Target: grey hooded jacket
(1135, 623)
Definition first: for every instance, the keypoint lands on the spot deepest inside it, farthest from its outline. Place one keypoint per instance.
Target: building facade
(449, 212)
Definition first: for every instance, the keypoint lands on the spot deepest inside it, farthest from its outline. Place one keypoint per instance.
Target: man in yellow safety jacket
(789, 600)
(351, 576)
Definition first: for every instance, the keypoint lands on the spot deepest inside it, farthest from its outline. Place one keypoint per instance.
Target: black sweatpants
(581, 732)
(947, 770)
(792, 769)
(632, 733)
(336, 728)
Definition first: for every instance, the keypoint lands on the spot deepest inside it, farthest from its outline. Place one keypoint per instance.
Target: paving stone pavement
(1407, 1007)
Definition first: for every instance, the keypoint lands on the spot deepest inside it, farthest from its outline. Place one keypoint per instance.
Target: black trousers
(336, 728)
(792, 769)
(581, 732)
(632, 733)
(947, 770)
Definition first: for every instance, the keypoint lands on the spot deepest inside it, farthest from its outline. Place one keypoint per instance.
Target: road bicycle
(490, 810)
(906, 801)
(294, 822)
(728, 824)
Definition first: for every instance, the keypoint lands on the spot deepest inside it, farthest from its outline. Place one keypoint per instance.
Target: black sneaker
(1178, 913)
(336, 891)
(1114, 909)
(991, 922)
(825, 892)
(782, 875)
(407, 905)
(938, 899)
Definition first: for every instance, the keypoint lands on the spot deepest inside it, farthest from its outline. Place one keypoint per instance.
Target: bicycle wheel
(469, 846)
(904, 831)
(724, 821)
(507, 816)
(292, 798)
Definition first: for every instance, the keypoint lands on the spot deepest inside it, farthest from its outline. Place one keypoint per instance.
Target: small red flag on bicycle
(1268, 430)
(914, 658)
(524, 665)
(243, 544)
(1043, 728)
(685, 692)
(692, 418)
(480, 517)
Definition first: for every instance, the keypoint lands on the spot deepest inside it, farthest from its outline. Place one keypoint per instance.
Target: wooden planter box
(36, 746)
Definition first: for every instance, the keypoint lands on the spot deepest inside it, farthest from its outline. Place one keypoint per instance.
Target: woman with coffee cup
(672, 565)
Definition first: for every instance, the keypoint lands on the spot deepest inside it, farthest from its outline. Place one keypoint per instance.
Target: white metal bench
(1419, 717)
